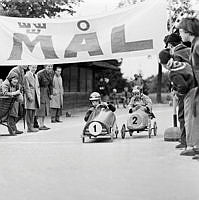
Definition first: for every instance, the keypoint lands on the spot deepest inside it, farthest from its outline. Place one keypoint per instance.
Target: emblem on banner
(32, 28)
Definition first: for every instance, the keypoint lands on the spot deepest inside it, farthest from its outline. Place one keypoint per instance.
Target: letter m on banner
(45, 43)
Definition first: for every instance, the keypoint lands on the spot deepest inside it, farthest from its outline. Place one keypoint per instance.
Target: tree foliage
(124, 3)
(37, 9)
(116, 79)
(152, 83)
(178, 9)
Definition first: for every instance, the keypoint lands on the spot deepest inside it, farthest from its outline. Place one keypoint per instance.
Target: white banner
(138, 30)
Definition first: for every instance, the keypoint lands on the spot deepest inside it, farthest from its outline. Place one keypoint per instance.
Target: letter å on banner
(138, 30)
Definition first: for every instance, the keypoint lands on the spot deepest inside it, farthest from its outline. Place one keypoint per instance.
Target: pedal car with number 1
(101, 124)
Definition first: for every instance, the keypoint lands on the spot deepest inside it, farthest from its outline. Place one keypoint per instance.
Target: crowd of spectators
(182, 62)
(35, 94)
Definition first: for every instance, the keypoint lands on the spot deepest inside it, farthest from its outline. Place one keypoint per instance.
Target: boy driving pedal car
(140, 101)
(97, 105)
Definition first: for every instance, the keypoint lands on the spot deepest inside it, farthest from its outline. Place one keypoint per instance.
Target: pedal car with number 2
(139, 121)
(101, 124)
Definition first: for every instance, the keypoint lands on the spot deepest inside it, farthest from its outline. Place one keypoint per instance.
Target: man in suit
(32, 96)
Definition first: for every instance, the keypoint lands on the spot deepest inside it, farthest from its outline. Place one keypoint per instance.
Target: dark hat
(164, 56)
(174, 39)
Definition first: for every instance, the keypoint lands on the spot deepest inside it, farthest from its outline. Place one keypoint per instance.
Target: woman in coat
(189, 31)
(10, 87)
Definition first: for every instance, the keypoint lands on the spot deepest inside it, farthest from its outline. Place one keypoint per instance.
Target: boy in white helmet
(140, 101)
(97, 105)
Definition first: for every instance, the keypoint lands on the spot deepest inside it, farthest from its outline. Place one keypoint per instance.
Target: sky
(147, 65)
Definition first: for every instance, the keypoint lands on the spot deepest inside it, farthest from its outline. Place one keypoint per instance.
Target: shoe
(196, 157)
(43, 128)
(11, 131)
(53, 121)
(189, 152)
(36, 125)
(68, 114)
(32, 130)
(18, 132)
(180, 146)
(47, 128)
(59, 121)
(196, 150)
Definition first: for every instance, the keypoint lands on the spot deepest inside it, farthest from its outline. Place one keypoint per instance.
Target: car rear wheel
(130, 132)
(116, 132)
(123, 131)
(149, 130)
(155, 128)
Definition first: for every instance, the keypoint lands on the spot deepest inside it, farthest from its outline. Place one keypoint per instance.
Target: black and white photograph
(99, 99)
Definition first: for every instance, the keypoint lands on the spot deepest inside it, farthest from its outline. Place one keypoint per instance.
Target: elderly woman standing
(189, 31)
(10, 87)
(46, 91)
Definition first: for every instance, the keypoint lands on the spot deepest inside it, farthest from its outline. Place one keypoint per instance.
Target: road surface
(55, 165)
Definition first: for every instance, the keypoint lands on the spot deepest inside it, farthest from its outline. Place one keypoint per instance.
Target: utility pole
(159, 85)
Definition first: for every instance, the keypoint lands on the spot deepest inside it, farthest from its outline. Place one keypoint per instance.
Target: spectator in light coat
(56, 103)
(32, 96)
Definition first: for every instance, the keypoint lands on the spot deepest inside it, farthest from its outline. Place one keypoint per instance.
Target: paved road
(55, 165)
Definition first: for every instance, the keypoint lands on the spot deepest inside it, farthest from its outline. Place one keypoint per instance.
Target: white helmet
(136, 91)
(94, 96)
(115, 90)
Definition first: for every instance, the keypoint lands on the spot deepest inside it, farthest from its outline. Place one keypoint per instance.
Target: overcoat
(57, 98)
(32, 91)
(7, 87)
(46, 90)
(193, 139)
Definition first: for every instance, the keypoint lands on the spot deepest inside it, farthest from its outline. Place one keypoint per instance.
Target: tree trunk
(159, 84)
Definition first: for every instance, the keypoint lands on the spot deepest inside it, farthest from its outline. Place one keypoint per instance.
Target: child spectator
(140, 101)
(181, 74)
(180, 53)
